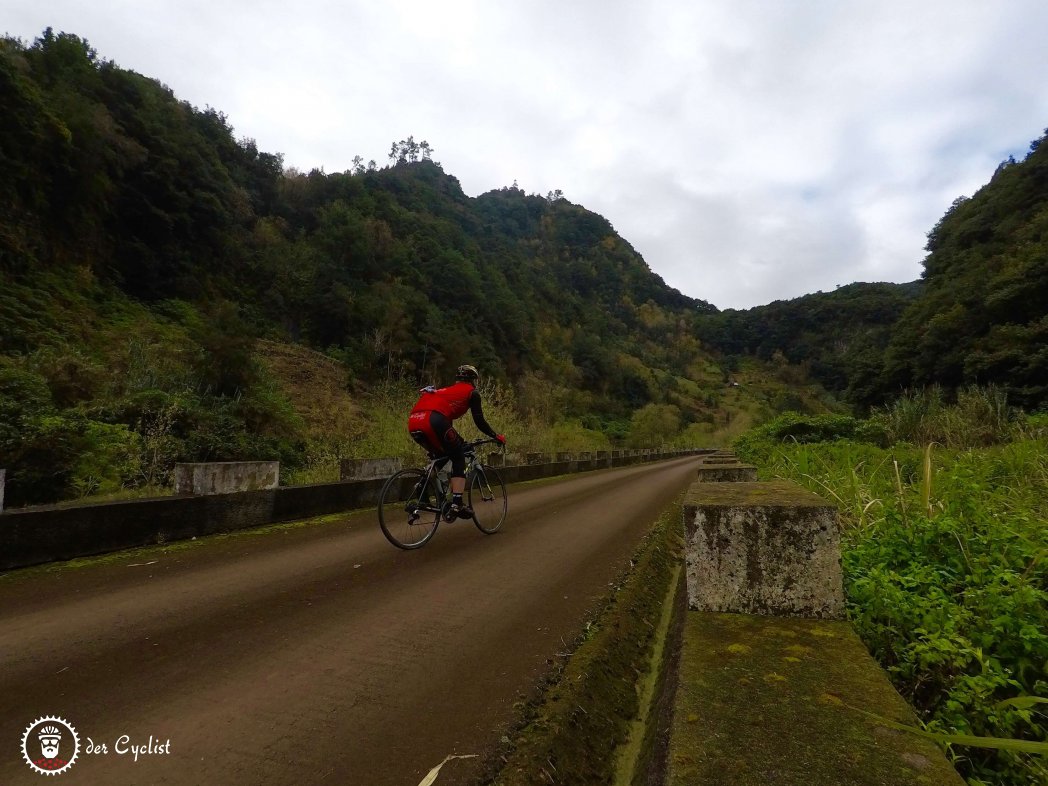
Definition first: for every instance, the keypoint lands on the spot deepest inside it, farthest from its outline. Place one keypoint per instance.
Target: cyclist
(430, 425)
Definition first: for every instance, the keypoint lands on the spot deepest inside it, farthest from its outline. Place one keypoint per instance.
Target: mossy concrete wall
(764, 700)
(762, 548)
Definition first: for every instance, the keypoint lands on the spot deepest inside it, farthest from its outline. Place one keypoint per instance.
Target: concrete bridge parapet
(369, 469)
(762, 548)
(225, 477)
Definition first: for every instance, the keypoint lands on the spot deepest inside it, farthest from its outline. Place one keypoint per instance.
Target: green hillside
(978, 316)
(838, 337)
(983, 316)
(171, 293)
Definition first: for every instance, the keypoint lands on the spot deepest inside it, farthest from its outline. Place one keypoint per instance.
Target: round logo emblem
(50, 745)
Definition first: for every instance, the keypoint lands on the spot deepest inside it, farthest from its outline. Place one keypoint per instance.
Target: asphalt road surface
(318, 653)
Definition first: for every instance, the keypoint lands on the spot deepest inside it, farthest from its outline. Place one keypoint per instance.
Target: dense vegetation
(145, 252)
(944, 558)
(838, 337)
(979, 315)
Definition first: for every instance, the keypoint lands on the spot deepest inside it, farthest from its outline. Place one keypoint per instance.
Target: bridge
(312, 652)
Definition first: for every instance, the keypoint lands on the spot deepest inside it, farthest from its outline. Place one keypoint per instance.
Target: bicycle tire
(398, 493)
(488, 499)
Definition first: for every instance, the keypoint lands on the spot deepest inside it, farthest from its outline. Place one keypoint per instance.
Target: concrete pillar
(734, 473)
(3, 479)
(762, 548)
(369, 469)
(225, 477)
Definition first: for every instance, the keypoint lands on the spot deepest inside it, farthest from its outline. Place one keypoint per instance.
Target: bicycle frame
(420, 496)
(473, 468)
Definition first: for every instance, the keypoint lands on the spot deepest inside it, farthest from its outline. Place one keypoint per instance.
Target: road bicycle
(413, 501)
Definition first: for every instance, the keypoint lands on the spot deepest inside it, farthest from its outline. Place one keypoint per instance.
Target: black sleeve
(477, 410)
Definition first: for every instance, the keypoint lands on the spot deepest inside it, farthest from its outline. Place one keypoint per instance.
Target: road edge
(574, 730)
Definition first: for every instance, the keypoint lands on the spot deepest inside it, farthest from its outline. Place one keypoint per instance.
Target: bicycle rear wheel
(409, 508)
(487, 497)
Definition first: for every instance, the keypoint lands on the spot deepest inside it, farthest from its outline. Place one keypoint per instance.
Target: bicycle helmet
(467, 373)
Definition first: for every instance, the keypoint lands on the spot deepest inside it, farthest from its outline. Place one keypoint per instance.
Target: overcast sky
(750, 151)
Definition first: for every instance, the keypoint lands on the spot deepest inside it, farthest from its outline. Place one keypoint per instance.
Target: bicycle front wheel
(487, 497)
(409, 508)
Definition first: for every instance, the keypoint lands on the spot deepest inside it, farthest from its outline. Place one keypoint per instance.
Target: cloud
(750, 151)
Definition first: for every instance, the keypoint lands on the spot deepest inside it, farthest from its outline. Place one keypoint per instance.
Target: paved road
(314, 654)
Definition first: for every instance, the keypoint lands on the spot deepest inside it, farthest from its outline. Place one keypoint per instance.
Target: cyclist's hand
(501, 439)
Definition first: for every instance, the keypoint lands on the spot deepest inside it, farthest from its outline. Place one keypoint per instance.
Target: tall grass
(979, 417)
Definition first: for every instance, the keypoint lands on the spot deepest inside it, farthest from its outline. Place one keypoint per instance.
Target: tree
(653, 425)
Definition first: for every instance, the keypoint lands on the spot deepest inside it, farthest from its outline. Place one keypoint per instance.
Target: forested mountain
(839, 337)
(109, 176)
(979, 314)
(145, 250)
(158, 275)
(983, 315)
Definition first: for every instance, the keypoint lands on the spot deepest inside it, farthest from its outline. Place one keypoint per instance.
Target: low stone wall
(762, 548)
(45, 534)
(31, 536)
(226, 477)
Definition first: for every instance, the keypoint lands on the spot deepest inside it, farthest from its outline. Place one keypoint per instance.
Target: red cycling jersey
(452, 401)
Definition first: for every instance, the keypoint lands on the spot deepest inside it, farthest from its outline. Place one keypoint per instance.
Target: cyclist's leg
(420, 427)
(453, 446)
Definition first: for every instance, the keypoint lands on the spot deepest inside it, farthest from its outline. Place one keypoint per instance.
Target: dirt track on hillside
(316, 654)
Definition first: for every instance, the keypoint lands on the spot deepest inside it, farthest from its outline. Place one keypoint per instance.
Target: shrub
(653, 425)
(69, 455)
(804, 429)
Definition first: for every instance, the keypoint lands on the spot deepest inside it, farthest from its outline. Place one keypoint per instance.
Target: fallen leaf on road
(431, 778)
